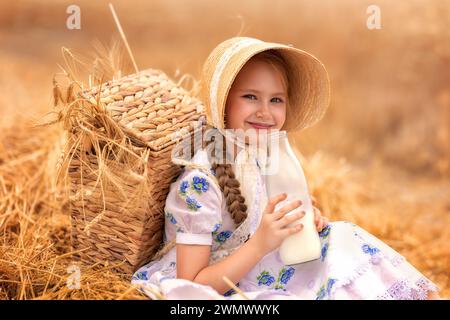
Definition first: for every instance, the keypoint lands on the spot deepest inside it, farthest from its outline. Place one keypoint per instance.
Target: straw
(122, 34)
(233, 286)
(117, 162)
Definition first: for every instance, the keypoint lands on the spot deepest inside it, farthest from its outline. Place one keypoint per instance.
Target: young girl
(219, 219)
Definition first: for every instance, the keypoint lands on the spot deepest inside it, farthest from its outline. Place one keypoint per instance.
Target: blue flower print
(325, 232)
(324, 292)
(286, 274)
(213, 171)
(180, 230)
(171, 218)
(183, 186)
(192, 204)
(223, 236)
(265, 278)
(330, 284)
(324, 251)
(370, 250)
(200, 184)
(231, 291)
(321, 293)
(216, 227)
(141, 275)
(170, 268)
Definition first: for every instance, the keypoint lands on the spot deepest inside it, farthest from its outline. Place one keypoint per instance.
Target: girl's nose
(263, 110)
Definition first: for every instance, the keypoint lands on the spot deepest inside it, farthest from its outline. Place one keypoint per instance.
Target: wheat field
(380, 157)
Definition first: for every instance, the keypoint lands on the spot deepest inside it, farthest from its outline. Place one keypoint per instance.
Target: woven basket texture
(120, 167)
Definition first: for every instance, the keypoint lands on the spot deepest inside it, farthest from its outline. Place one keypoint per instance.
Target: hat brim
(309, 83)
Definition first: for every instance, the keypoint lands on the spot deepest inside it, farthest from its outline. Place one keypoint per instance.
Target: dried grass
(401, 195)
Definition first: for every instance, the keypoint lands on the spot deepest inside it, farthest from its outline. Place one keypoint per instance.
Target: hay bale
(118, 159)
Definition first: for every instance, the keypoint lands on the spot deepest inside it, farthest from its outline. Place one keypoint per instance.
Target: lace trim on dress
(403, 289)
(406, 290)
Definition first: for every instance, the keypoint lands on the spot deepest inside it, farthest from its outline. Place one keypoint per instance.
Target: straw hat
(309, 83)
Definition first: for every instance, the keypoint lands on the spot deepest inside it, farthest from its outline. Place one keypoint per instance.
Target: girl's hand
(319, 220)
(273, 227)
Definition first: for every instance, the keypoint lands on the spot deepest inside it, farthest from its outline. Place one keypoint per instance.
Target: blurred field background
(380, 157)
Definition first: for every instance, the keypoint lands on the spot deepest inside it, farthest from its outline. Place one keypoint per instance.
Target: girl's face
(257, 98)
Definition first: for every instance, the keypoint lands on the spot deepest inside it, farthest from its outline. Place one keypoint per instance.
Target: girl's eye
(279, 100)
(253, 97)
(250, 96)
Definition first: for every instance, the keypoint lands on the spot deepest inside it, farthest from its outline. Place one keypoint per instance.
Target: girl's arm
(192, 264)
(192, 260)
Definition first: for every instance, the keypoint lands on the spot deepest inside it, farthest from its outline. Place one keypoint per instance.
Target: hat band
(220, 66)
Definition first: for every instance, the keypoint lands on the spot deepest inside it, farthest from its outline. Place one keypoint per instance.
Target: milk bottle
(288, 177)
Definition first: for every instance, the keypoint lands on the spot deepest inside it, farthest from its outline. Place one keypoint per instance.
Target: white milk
(304, 245)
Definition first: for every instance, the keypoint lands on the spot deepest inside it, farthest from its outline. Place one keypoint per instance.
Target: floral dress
(353, 264)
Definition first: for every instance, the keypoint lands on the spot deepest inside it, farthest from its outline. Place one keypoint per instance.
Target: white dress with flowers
(354, 264)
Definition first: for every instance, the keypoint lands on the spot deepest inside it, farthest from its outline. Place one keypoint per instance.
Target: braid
(231, 191)
(230, 188)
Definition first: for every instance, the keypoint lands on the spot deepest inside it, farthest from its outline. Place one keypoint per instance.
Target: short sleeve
(194, 206)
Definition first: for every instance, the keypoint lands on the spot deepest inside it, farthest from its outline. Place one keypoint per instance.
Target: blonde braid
(230, 188)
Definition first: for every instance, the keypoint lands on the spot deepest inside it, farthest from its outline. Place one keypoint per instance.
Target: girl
(219, 220)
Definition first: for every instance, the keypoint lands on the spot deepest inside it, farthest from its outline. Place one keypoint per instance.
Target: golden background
(380, 157)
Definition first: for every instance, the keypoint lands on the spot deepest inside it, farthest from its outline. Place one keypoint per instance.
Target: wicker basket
(119, 186)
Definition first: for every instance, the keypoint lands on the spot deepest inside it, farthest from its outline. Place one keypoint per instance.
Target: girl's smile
(258, 125)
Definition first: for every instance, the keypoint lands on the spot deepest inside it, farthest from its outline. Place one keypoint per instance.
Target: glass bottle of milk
(286, 176)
